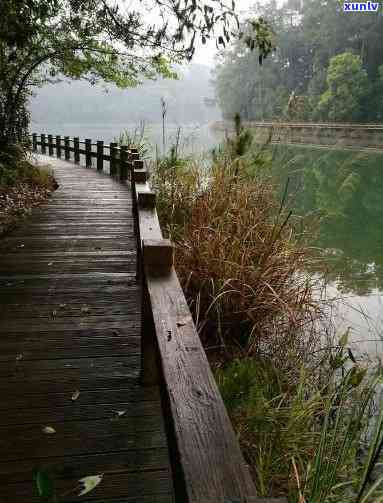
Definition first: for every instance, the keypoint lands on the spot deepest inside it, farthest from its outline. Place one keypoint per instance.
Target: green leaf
(344, 339)
(357, 376)
(44, 484)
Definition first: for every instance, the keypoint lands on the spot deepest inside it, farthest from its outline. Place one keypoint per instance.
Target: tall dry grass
(239, 257)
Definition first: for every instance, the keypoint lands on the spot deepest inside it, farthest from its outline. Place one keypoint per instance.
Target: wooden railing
(120, 159)
(207, 463)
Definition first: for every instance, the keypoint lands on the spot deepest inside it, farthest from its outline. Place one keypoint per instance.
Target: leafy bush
(17, 167)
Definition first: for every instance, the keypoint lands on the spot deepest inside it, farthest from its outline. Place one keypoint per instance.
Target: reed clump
(315, 438)
(239, 257)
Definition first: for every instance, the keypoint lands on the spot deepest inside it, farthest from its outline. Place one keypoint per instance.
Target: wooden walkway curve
(69, 324)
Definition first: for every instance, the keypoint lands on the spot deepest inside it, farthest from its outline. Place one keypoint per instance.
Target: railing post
(124, 157)
(58, 146)
(157, 258)
(88, 153)
(43, 144)
(76, 146)
(100, 155)
(66, 148)
(134, 155)
(34, 142)
(149, 358)
(138, 166)
(113, 159)
(50, 144)
(135, 220)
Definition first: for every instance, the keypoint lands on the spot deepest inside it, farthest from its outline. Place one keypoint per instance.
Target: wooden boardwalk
(69, 324)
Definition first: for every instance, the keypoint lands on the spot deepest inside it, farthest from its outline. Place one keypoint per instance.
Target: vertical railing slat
(58, 146)
(88, 153)
(113, 159)
(34, 142)
(124, 158)
(43, 144)
(50, 144)
(100, 155)
(66, 148)
(76, 145)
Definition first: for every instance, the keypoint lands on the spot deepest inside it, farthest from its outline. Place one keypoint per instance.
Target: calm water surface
(343, 193)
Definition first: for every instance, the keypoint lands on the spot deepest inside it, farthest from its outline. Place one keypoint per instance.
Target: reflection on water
(345, 190)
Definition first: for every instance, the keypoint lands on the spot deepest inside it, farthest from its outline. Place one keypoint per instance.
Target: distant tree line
(328, 65)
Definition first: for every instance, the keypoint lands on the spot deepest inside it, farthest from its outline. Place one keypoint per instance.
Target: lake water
(344, 192)
(195, 138)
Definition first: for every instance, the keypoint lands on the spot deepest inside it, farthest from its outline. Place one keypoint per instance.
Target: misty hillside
(78, 101)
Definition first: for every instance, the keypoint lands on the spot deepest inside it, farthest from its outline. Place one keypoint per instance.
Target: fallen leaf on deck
(75, 395)
(50, 263)
(62, 306)
(89, 483)
(49, 430)
(85, 309)
(54, 313)
(19, 357)
(120, 413)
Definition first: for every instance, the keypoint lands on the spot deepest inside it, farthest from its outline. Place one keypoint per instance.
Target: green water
(341, 194)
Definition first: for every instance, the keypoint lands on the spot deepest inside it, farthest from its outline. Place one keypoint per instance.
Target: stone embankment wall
(354, 135)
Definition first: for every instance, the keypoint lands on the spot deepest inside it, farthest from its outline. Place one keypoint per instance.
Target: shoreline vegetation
(304, 407)
(23, 185)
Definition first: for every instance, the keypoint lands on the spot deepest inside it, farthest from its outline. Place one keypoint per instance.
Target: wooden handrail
(207, 463)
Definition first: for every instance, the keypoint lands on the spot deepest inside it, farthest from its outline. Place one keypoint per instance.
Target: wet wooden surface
(70, 321)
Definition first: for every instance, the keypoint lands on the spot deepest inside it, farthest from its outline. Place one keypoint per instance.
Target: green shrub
(303, 439)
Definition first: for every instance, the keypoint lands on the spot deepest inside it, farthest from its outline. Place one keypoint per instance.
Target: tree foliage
(307, 36)
(41, 40)
(347, 85)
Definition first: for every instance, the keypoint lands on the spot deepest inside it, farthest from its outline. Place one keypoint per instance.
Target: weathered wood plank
(207, 455)
(79, 412)
(79, 466)
(144, 487)
(80, 437)
(58, 397)
(70, 321)
(15, 346)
